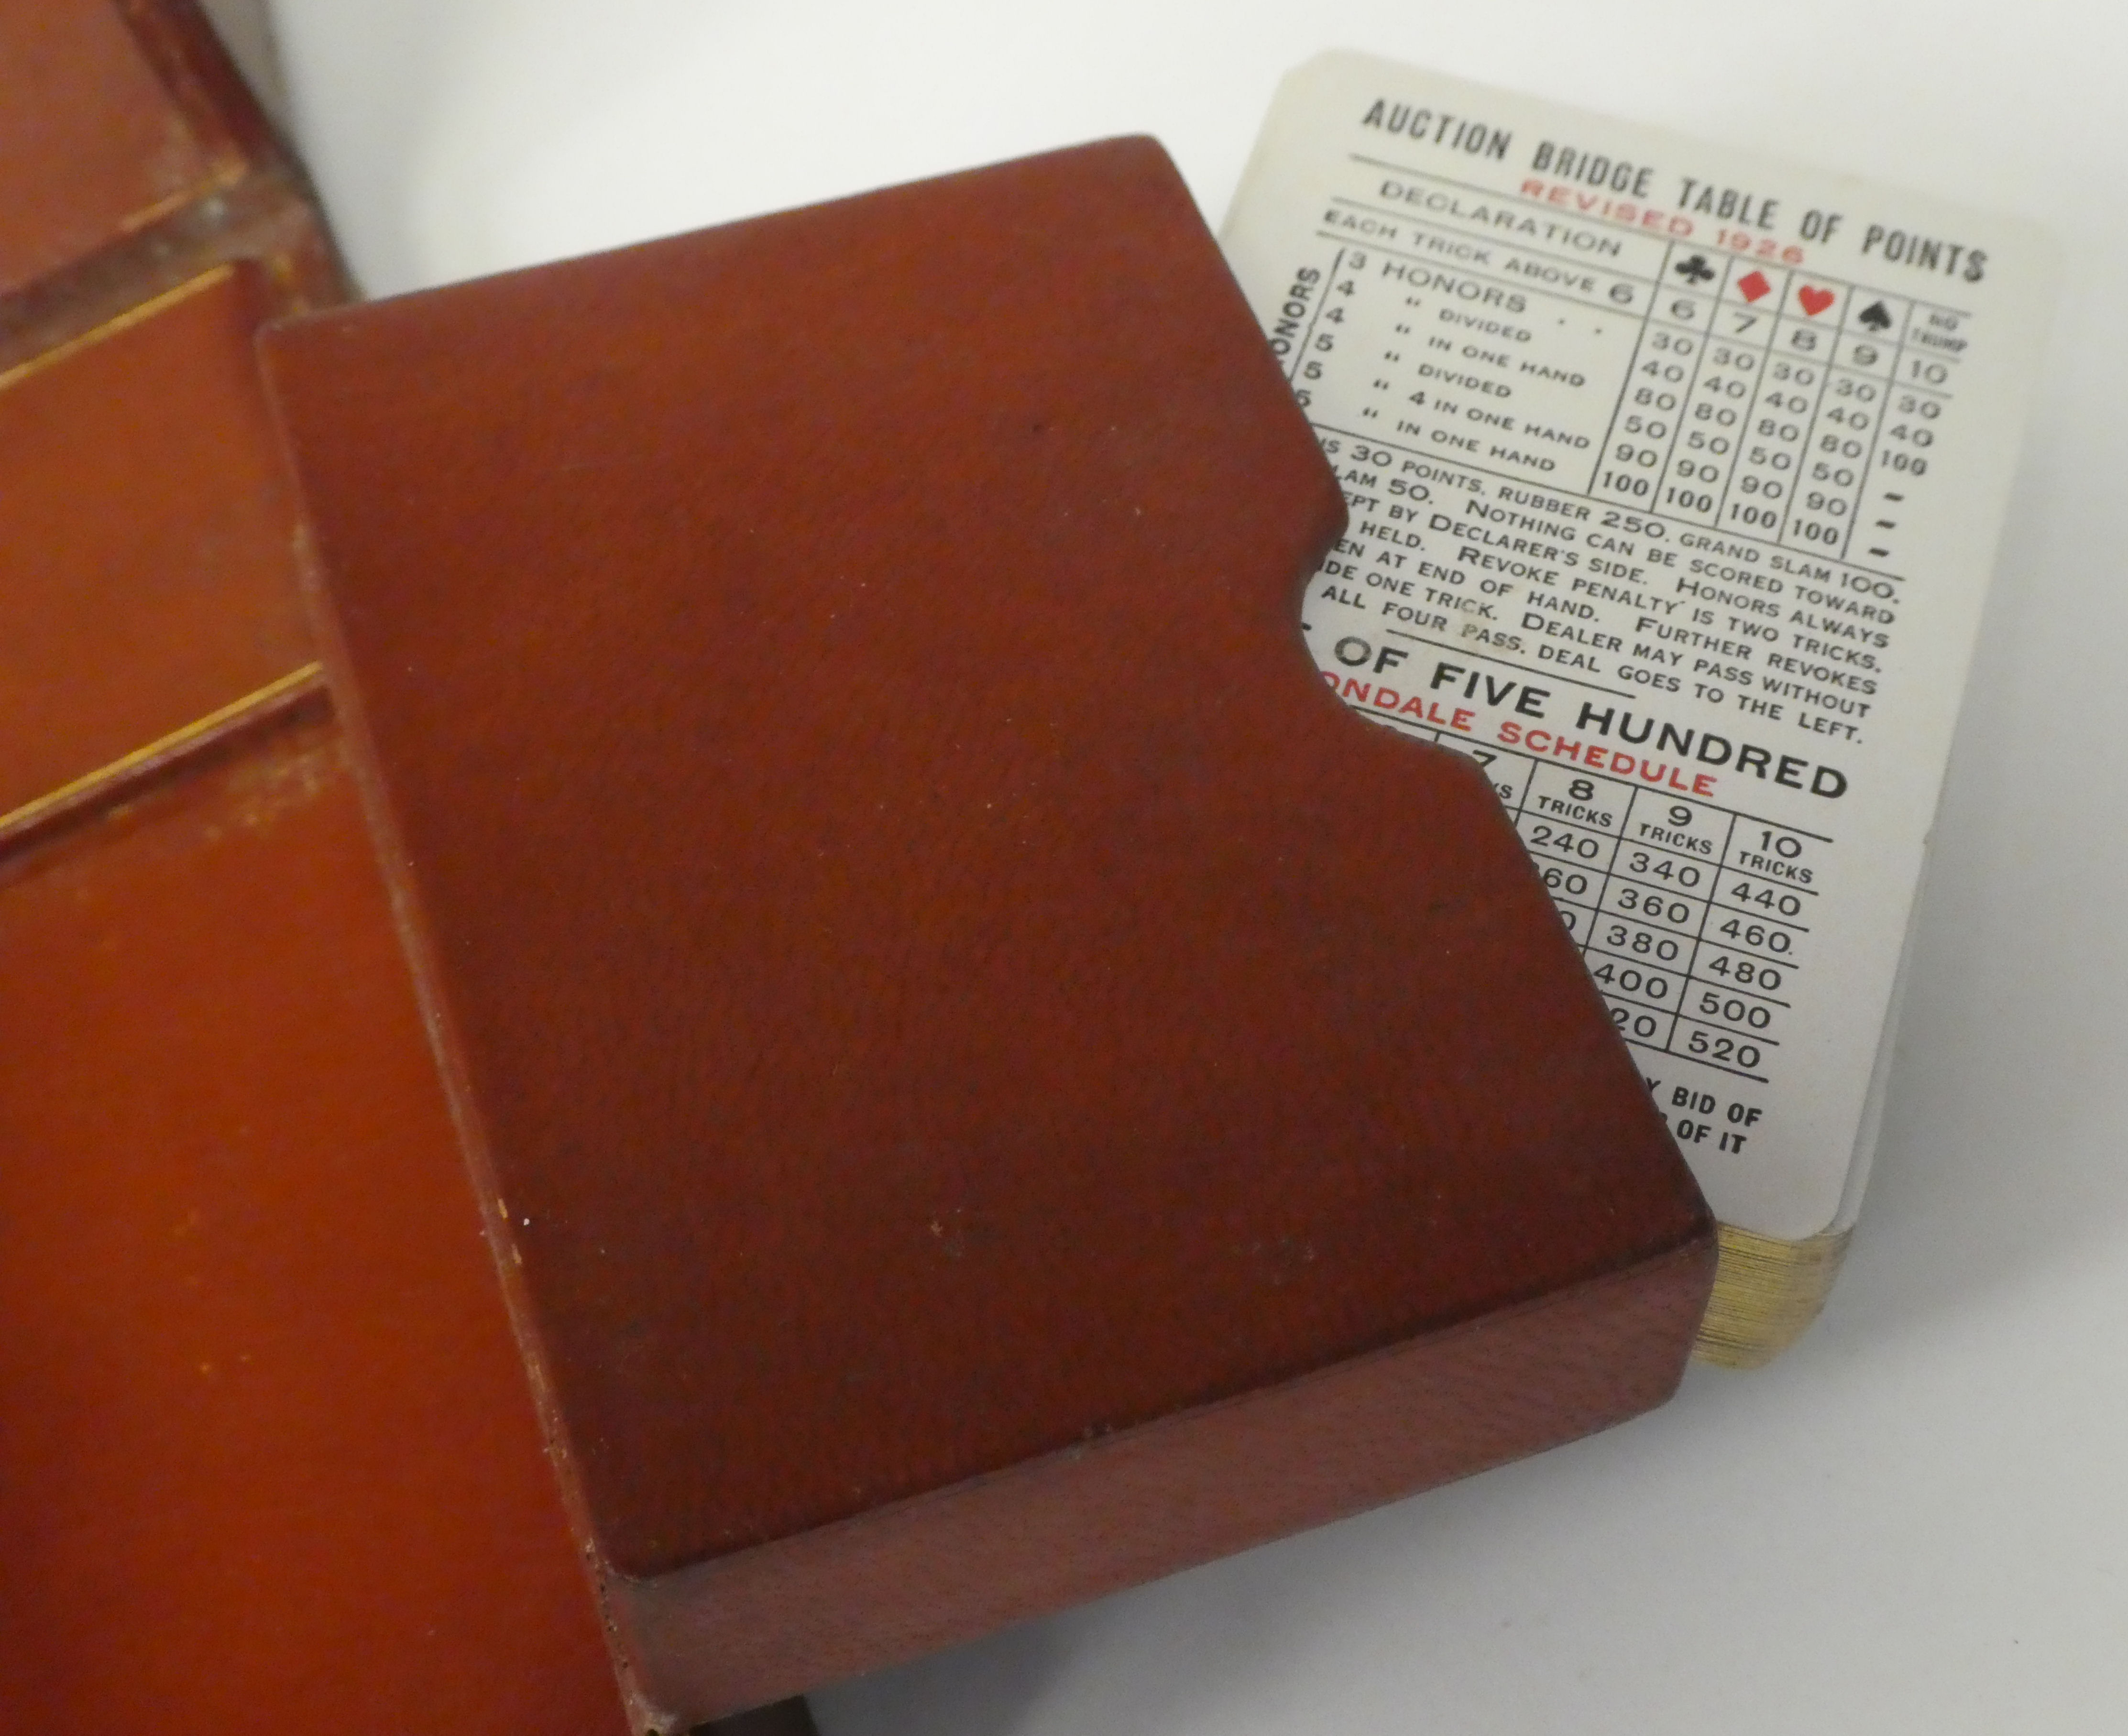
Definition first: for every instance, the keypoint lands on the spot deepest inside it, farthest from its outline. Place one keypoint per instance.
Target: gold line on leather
(161, 749)
(111, 328)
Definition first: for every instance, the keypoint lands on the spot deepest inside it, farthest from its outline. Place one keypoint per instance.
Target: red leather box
(268, 1458)
(923, 968)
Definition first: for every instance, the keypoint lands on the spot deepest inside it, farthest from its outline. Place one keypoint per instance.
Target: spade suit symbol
(1876, 316)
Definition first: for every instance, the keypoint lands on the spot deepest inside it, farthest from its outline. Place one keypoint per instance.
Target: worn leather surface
(971, 1042)
(132, 160)
(910, 1577)
(94, 143)
(267, 1458)
(148, 526)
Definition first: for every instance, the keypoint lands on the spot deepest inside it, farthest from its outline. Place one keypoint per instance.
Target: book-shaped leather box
(919, 959)
(268, 1460)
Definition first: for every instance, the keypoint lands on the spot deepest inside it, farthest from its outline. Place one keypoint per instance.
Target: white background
(1917, 1520)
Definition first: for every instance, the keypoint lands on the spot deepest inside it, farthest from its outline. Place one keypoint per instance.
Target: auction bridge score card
(1675, 479)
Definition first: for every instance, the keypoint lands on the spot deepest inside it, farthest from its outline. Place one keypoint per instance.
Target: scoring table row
(1695, 919)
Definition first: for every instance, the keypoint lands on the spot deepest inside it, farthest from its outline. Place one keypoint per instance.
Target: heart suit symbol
(1814, 300)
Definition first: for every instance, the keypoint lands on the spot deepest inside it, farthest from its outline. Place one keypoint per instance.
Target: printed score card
(1675, 479)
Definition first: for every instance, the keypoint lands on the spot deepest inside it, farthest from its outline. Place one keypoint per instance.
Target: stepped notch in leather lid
(922, 959)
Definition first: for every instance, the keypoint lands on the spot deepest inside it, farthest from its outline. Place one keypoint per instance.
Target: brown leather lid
(266, 1457)
(934, 980)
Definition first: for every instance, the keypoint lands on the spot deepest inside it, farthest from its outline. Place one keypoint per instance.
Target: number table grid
(1794, 460)
(1641, 909)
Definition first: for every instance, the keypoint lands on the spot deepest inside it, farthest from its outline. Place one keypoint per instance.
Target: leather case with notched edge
(922, 962)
